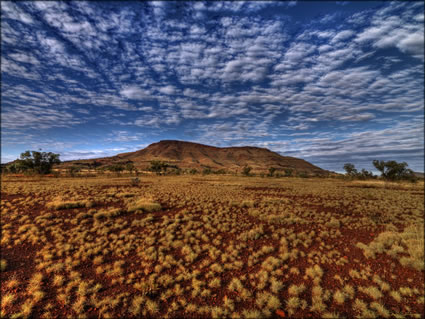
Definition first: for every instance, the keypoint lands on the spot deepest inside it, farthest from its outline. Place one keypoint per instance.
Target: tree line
(42, 162)
(390, 170)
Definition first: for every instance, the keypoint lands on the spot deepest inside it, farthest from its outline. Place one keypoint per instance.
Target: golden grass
(391, 242)
(339, 297)
(295, 290)
(59, 204)
(200, 246)
(3, 265)
(144, 204)
(372, 291)
(7, 300)
(380, 309)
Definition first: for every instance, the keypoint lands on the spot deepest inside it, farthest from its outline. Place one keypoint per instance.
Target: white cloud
(357, 117)
(12, 11)
(343, 35)
(34, 117)
(169, 89)
(25, 57)
(394, 30)
(133, 92)
(414, 44)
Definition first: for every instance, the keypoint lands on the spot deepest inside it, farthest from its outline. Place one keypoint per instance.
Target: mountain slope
(199, 156)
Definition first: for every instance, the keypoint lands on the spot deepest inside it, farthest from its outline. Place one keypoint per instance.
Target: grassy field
(213, 246)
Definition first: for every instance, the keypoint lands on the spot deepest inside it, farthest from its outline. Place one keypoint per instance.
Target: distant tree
(350, 170)
(73, 170)
(117, 168)
(193, 171)
(364, 174)
(129, 167)
(302, 174)
(206, 171)
(288, 172)
(10, 168)
(158, 167)
(246, 171)
(94, 164)
(271, 171)
(392, 170)
(177, 171)
(37, 162)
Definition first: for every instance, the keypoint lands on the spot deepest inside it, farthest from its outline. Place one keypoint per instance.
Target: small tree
(364, 174)
(11, 168)
(206, 171)
(94, 164)
(392, 170)
(177, 171)
(129, 167)
(246, 171)
(117, 168)
(158, 167)
(193, 171)
(350, 170)
(302, 174)
(38, 162)
(288, 172)
(73, 170)
(271, 171)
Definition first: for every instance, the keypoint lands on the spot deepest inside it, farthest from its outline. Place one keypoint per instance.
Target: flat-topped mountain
(193, 155)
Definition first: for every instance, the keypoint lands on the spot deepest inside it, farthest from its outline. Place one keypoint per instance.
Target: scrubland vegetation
(212, 246)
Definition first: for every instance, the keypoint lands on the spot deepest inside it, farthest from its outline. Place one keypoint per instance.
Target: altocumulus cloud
(327, 82)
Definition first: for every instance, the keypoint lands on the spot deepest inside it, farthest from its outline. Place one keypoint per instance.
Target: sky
(328, 82)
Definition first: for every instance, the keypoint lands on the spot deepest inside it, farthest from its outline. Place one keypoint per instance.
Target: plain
(212, 246)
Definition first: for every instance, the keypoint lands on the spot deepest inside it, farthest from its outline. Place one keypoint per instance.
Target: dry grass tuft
(372, 291)
(339, 297)
(391, 242)
(7, 300)
(144, 204)
(3, 265)
(59, 204)
(295, 290)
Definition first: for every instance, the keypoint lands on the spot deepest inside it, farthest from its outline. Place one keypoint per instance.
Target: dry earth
(219, 246)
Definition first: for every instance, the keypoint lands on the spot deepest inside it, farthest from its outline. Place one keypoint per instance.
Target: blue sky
(329, 82)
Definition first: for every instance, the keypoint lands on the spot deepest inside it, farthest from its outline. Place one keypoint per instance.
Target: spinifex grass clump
(3, 264)
(59, 204)
(144, 204)
(108, 213)
(393, 243)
